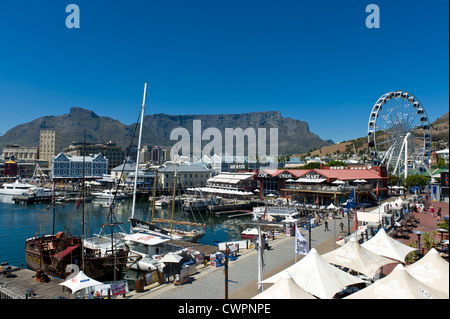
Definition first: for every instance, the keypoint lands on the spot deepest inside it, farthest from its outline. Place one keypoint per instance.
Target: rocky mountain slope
(293, 135)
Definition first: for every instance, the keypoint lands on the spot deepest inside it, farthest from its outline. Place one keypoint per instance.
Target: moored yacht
(17, 188)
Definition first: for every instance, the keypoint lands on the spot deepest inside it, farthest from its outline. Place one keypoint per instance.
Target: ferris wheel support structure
(399, 133)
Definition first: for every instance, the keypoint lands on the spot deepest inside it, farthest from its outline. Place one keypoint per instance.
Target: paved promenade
(209, 283)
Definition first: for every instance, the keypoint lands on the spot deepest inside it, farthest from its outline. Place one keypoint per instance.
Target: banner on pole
(301, 245)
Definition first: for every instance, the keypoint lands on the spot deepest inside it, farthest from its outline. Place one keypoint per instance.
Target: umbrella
(338, 182)
(80, 281)
(317, 276)
(284, 288)
(352, 255)
(432, 270)
(386, 246)
(289, 219)
(171, 258)
(331, 206)
(399, 284)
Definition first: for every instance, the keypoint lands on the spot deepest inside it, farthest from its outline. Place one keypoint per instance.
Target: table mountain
(293, 135)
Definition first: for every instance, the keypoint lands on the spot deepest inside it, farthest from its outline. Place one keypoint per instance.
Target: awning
(65, 252)
(311, 180)
(371, 217)
(146, 239)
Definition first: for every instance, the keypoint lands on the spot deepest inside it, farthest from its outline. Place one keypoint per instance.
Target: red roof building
(325, 185)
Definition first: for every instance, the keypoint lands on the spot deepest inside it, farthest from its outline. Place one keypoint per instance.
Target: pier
(18, 283)
(31, 199)
(233, 206)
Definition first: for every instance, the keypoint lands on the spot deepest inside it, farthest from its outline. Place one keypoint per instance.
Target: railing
(337, 189)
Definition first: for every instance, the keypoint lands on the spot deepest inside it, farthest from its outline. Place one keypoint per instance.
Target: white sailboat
(147, 240)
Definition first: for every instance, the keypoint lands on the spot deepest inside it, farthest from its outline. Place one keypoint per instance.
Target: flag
(79, 202)
(301, 245)
(317, 200)
(261, 261)
(355, 221)
(351, 201)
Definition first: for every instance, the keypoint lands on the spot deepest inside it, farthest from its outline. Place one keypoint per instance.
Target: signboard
(444, 179)
(435, 193)
(118, 288)
(313, 175)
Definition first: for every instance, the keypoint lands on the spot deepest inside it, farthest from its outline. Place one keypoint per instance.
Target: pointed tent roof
(80, 281)
(317, 276)
(399, 284)
(432, 270)
(352, 255)
(284, 288)
(386, 246)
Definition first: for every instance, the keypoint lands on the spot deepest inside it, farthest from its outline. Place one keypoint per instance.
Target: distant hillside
(439, 133)
(293, 135)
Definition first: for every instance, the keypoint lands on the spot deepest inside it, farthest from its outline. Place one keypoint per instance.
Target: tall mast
(54, 208)
(173, 200)
(154, 194)
(138, 151)
(83, 195)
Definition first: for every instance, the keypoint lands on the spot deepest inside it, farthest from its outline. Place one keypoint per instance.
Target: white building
(71, 167)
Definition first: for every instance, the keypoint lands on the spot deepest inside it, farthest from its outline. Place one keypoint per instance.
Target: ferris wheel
(399, 133)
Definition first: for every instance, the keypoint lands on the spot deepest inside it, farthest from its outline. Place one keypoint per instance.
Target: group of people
(420, 208)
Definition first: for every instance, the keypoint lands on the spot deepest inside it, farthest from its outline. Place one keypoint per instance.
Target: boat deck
(204, 249)
(21, 282)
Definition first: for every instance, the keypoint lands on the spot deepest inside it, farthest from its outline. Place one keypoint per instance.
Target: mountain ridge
(157, 128)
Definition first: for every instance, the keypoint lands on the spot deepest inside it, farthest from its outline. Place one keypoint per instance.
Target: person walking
(326, 226)
(439, 213)
(341, 224)
(432, 210)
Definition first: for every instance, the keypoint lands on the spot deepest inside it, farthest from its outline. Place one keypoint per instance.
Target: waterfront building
(325, 185)
(242, 181)
(68, 167)
(21, 152)
(187, 176)
(123, 171)
(110, 150)
(26, 159)
(10, 169)
(49, 145)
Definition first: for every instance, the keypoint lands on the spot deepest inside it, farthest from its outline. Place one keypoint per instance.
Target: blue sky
(314, 61)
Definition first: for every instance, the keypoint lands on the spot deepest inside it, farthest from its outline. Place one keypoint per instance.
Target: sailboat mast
(154, 194)
(138, 151)
(173, 200)
(54, 208)
(83, 196)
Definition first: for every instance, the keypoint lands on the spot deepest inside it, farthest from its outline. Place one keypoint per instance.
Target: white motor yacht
(17, 188)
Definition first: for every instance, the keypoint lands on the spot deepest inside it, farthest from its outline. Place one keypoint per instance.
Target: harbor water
(19, 222)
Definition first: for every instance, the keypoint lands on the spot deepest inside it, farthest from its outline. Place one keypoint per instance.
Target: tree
(336, 163)
(311, 166)
(416, 180)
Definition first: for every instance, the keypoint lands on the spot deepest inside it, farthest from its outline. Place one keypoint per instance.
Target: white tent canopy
(352, 255)
(171, 258)
(386, 246)
(284, 288)
(317, 277)
(432, 270)
(331, 206)
(80, 281)
(399, 284)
